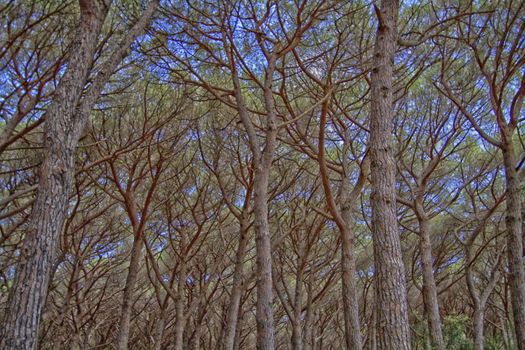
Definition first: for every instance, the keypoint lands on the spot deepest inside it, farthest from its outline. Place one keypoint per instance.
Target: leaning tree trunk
(390, 291)
(61, 134)
(513, 221)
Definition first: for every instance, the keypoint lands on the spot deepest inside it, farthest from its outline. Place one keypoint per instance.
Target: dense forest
(262, 174)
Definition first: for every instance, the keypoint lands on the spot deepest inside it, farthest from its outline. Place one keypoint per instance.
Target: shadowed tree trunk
(390, 291)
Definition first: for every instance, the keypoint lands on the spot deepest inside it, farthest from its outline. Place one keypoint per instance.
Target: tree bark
(350, 297)
(237, 288)
(65, 121)
(478, 319)
(129, 289)
(180, 319)
(158, 332)
(264, 311)
(61, 132)
(307, 334)
(343, 218)
(430, 295)
(513, 222)
(390, 291)
(297, 332)
(262, 161)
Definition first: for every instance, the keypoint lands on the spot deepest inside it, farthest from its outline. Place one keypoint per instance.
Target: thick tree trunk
(237, 288)
(129, 289)
(513, 221)
(28, 293)
(430, 295)
(391, 299)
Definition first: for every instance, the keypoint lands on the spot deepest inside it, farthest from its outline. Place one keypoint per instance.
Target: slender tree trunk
(238, 331)
(390, 293)
(297, 336)
(159, 331)
(478, 318)
(196, 341)
(28, 293)
(262, 159)
(237, 288)
(373, 330)
(263, 247)
(349, 288)
(343, 219)
(129, 289)
(264, 312)
(180, 320)
(307, 334)
(514, 222)
(430, 296)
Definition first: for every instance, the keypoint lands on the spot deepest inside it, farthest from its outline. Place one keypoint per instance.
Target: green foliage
(455, 332)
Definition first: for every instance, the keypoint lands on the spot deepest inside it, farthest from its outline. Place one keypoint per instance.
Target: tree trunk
(391, 299)
(61, 133)
(262, 159)
(478, 327)
(237, 288)
(238, 331)
(430, 296)
(129, 289)
(264, 313)
(349, 287)
(307, 334)
(297, 336)
(513, 222)
(159, 331)
(180, 320)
